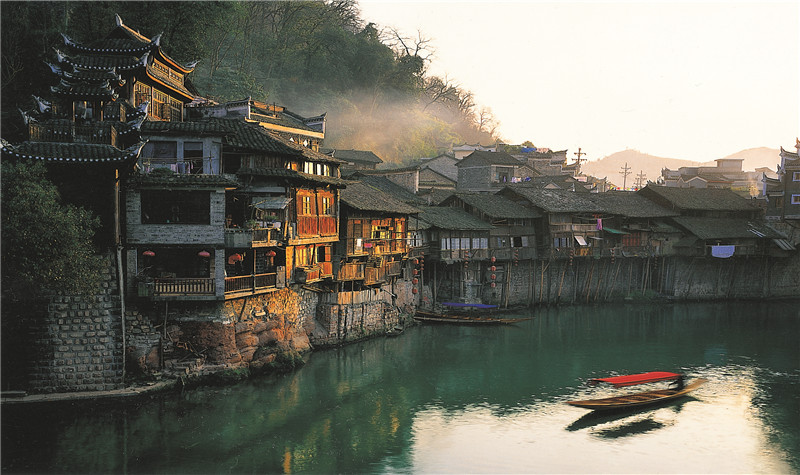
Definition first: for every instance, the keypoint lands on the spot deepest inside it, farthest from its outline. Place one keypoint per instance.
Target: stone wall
(78, 342)
(350, 316)
(247, 331)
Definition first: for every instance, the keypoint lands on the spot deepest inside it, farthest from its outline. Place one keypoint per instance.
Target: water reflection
(463, 399)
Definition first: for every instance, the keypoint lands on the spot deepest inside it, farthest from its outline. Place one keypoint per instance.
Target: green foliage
(311, 56)
(46, 245)
(286, 361)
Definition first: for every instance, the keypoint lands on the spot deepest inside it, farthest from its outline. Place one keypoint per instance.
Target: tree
(46, 245)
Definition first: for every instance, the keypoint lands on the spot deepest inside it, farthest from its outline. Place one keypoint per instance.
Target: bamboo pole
(613, 282)
(560, 284)
(599, 280)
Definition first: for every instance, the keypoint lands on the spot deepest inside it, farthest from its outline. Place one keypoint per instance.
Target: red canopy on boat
(634, 379)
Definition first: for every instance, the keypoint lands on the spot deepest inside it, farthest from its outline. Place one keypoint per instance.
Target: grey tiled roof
(555, 201)
(363, 156)
(699, 198)
(202, 127)
(72, 152)
(496, 206)
(388, 186)
(363, 197)
(480, 157)
(293, 175)
(726, 228)
(629, 204)
(180, 179)
(445, 217)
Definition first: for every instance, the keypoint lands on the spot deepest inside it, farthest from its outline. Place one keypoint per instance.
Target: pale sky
(696, 81)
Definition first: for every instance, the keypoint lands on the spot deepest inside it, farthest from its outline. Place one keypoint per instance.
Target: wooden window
(327, 209)
(306, 209)
(795, 176)
(141, 93)
(796, 199)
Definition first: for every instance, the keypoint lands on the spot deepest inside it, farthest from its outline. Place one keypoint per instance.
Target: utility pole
(578, 160)
(640, 179)
(626, 170)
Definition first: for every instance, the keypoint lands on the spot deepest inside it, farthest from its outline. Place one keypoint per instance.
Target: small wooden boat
(397, 330)
(482, 306)
(465, 319)
(642, 398)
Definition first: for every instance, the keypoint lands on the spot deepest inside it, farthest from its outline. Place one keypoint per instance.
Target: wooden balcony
(250, 283)
(375, 275)
(573, 228)
(311, 226)
(183, 286)
(260, 237)
(351, 271)
(305, 275)
(103, 133)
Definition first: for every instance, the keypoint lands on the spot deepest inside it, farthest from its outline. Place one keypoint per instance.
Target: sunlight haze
(695, 81)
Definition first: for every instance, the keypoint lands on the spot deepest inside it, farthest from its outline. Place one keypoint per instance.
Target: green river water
(457, 399)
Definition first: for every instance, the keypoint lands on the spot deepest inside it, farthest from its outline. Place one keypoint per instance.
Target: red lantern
(494, 276)
(493, 259)
(234, 258)
(204, 254)
(414, 290)
(494, 285)
(271, 253)
(149, 254)
(414, 281)
(493, 268)
(416, 272)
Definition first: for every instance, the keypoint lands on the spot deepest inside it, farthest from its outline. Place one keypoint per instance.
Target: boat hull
(644, 398)
(465, 320)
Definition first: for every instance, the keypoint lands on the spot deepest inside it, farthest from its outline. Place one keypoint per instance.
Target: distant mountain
(650, 165)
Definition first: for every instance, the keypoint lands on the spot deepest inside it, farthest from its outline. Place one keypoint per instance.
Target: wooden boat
(465, 319)
(482, 306)
(642, 398)
(395, 331)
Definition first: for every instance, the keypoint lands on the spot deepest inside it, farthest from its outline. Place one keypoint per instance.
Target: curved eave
(293, 130)
(171, 87)
(130, 155)
(172, 63)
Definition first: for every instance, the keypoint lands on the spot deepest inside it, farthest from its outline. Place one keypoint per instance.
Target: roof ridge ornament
(118, 19)
(156, 40)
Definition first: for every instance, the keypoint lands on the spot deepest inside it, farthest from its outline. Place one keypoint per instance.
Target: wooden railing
(572, 227)
(184, 166)
(351, 271)
(99, 133)
(250, 283)
(183, 286)
(316, 226)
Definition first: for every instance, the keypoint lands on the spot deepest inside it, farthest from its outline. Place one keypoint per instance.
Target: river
(456, 399)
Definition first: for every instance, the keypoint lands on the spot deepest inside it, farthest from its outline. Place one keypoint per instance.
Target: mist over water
(455, 399)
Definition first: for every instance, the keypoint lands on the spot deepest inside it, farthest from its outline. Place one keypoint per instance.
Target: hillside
(651, 165)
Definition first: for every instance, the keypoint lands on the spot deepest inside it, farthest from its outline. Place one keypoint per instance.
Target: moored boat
(465, 319)
(641, 398)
